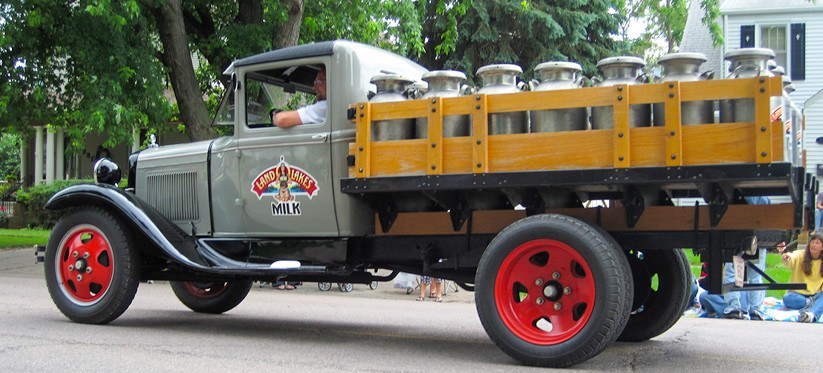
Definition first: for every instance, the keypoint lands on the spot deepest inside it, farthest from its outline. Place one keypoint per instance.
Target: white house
(782, 26)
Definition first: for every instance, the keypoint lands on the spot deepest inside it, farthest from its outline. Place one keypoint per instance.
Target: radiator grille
(174, 195)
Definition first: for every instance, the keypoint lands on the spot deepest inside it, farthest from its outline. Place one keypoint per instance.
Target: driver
(315, 113)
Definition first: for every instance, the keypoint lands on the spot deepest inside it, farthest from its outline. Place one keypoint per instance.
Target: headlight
(106, 172)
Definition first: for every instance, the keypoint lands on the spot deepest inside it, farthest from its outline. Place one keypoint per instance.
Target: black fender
(163, 234)
(189, 251)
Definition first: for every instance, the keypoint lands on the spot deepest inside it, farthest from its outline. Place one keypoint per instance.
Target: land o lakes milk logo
(285, 182)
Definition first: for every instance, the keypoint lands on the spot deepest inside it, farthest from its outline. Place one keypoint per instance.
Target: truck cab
(229, 187)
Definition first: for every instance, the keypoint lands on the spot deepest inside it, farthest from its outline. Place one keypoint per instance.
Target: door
(284, 173)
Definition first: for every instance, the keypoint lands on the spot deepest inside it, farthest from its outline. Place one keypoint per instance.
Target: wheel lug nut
(88, 269)
(74, 254)
(79, 277)
(71, 267)
(557, 306)
(556, 275)
(86, 255)
(567, 290)
(538, 282)
(539, 300)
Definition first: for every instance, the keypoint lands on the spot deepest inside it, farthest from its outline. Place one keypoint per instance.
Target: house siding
(814, 129)
(808, 96)
(814, 46)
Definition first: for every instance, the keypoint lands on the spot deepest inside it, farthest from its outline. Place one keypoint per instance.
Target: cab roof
(324, 48)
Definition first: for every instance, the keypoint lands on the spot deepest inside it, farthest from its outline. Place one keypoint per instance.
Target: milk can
(503, 79)
(620, 70)
(555, 76)
(444, 83)
(390, 88)
(684, 67)
(746, 63)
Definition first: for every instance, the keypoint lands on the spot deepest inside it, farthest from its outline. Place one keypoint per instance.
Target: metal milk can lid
(444, 74)
(499, 69)
(622, 60)
(749, 52)
(558, 65)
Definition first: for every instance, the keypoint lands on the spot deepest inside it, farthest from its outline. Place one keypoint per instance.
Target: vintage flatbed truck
(504, 215)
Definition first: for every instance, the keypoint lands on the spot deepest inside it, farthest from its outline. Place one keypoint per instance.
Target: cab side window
(277, 89)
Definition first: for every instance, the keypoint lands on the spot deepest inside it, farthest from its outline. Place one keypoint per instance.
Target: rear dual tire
(553, 291)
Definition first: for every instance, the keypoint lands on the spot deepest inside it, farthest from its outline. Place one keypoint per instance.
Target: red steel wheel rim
(205, 290)
(544, 292)
(85, 265)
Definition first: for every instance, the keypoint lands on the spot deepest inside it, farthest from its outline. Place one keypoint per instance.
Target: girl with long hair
(806, 268)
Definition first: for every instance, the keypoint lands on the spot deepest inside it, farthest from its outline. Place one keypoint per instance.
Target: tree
(9, 156)
(63, 66)
(666, 20)
(521, 32)
(102, 65)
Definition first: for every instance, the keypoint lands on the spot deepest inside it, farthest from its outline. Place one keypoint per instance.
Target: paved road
(308, 330)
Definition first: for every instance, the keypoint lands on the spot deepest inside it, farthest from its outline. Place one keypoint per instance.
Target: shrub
(34, 199)
(4, 217)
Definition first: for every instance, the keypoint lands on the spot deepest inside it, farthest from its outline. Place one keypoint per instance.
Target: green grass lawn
(10, 238)
(774, 268)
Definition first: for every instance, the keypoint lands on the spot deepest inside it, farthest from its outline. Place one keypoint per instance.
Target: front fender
(179, 246)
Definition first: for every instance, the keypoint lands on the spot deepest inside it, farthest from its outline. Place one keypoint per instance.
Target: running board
(223, 265)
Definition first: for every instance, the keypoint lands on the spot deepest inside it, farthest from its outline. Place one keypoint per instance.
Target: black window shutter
(798, 50)
(747, 36)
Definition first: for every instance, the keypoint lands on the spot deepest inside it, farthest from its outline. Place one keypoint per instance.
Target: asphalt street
(306, 330)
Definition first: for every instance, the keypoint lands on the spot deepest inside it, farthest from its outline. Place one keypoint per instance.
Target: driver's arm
(286, 119)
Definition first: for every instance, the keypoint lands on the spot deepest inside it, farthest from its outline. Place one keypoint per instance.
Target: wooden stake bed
(639, 168)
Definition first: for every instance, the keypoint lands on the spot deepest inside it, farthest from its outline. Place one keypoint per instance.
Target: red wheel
(91, 267)
(207, 290)
(84, 265)
(553, 291)
(544, 292)
(211, 297)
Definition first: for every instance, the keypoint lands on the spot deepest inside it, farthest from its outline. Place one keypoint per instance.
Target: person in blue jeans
(806, 268)
(739, 304)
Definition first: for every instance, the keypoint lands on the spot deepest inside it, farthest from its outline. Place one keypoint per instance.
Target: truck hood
(194, 152)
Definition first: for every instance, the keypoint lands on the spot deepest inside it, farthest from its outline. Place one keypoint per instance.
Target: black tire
(654, 311)
(345, 287)
(91, 266)
(373, 285)
(583, 280)
(211, 297)
(324, 286)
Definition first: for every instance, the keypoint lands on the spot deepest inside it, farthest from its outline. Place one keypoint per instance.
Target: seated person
(315, 113)
(806, 268)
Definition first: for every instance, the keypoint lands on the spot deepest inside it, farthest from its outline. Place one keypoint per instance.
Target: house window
(774, 38)
(787, 41)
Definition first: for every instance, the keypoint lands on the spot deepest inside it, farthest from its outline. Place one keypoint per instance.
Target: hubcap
(84, 265)
(520, 288)
(205, 290)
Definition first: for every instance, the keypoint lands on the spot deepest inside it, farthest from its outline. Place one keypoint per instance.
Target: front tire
(211, 297)
(91, 266)
(552, 291)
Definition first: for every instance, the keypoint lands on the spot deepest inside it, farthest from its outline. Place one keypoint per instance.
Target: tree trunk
(286, 33)
(178, 56)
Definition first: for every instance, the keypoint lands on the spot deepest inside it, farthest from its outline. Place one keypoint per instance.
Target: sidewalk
(20, 261)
